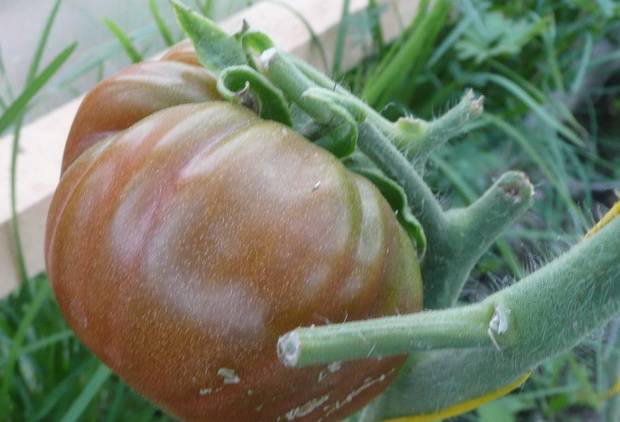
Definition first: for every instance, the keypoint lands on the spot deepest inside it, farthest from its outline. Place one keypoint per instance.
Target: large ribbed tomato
(187, 235)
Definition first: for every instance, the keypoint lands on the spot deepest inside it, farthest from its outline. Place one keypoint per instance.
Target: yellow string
(615, 389)
(466, 406)
(611, 214)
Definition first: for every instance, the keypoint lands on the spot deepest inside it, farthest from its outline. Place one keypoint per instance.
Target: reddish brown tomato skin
(181, 245)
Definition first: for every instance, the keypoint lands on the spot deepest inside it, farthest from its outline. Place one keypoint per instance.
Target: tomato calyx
(312, 104)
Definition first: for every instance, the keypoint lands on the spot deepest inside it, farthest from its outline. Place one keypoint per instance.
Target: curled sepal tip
(244, 85)
(216, 50)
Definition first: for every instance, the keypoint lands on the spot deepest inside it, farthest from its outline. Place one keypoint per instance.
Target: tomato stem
(421, 199)
(499, 339)
(426, 137)
(463, 327)
(548, 312)
(471, 231)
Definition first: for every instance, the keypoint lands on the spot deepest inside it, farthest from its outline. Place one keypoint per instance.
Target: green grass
(549, 73)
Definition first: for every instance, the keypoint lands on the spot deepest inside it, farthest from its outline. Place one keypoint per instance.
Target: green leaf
(124, 40)
(244, 85)
(496, 35)
(395, 195)
(164, 31)
(216, 49)
(17, 107)
(255, 42)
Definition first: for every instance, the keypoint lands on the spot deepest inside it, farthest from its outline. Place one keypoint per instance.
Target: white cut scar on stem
(498, 324)
(267, 56)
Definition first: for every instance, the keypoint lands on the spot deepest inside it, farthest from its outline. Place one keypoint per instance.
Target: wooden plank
(42, 141)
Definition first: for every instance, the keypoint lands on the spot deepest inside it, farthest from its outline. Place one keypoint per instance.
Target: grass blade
(54, 396)
(316, 41)
(583, 64)
(341, 38)
(537, 158)
(80, 404)
(32, 71)
(374, 16)
(15, 232)
(164, 31)
(17, 107)
(38, 54)
(119, 397)
(536, 108)
(18, 339)
(408, 59)
(124, 40)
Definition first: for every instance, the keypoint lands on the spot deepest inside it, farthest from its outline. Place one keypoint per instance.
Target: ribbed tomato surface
(187, 235)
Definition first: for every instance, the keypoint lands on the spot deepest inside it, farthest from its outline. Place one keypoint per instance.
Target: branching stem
(455, 243)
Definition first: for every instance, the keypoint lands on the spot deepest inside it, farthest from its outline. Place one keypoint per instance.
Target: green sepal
(346, 102)
(244, 85)
(216, 50)
(395, 195)
(255, 41)
(340, 132)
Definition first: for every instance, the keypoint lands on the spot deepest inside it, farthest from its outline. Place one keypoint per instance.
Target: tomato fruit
(187, 234)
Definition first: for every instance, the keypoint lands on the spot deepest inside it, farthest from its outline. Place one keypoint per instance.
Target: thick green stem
(452, 328)
(545, 314)
(472, 231)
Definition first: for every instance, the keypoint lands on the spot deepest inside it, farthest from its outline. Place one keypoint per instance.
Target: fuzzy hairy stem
(472, 231)
(421, 199)
(463, 327)
(429, 136)
(546, 313)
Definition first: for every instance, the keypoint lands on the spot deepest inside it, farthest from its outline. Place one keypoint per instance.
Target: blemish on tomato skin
(368, 382)
(331, 368)
(305, 409)
(228, 375)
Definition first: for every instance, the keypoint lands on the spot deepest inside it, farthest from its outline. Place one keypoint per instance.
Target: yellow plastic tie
(464, 407)
(611, 214)
(615, 389)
